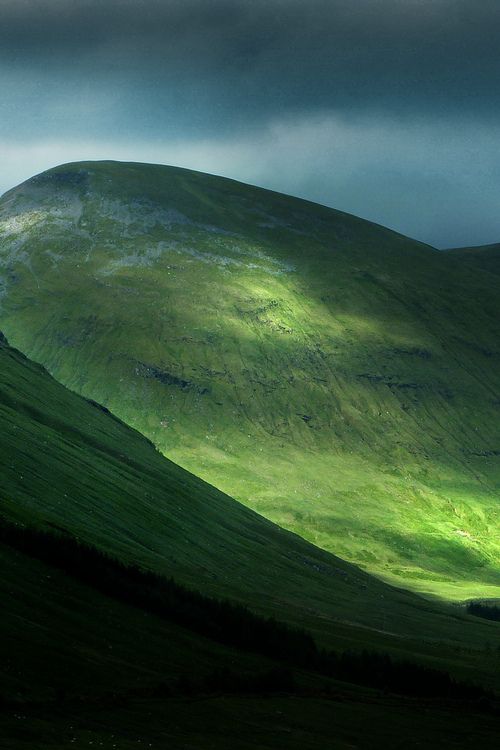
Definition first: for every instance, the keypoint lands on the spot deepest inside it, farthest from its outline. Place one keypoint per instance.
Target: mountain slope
(339, 378)
(67, 465)
(79, 666)
(71, 678)
(486, 257)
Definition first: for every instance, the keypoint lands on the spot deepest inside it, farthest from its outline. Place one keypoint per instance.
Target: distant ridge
(486, 257)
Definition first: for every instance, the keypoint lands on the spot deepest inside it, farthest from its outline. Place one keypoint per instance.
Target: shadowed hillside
(486, 257)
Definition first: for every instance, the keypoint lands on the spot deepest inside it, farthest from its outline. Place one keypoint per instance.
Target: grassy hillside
(80, 667)
(80, 670)
(486, 257)
(67, 465)
(340, 379)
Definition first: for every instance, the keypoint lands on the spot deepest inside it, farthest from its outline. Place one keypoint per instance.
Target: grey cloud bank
(386, 108)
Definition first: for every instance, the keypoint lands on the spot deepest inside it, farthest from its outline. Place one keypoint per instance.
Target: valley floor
(224, 722)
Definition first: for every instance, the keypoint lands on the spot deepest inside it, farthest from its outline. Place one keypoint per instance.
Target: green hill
(339, 378)
(67, 465)
(486, 257)
(80, 666)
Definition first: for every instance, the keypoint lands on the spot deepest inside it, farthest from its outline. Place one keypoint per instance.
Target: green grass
(65, 464)
(81, 666)
(63, 638)
(252, 723)
(338, 378)
(486, 257)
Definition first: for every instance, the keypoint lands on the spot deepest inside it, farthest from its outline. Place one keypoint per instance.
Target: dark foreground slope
(85, 662)
(81, 669)
(337, 377)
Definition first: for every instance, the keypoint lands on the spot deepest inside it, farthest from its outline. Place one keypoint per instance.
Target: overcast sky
(389, 109)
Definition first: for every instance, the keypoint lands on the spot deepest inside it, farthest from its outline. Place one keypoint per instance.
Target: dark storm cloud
(251, 59)
(387, 108)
